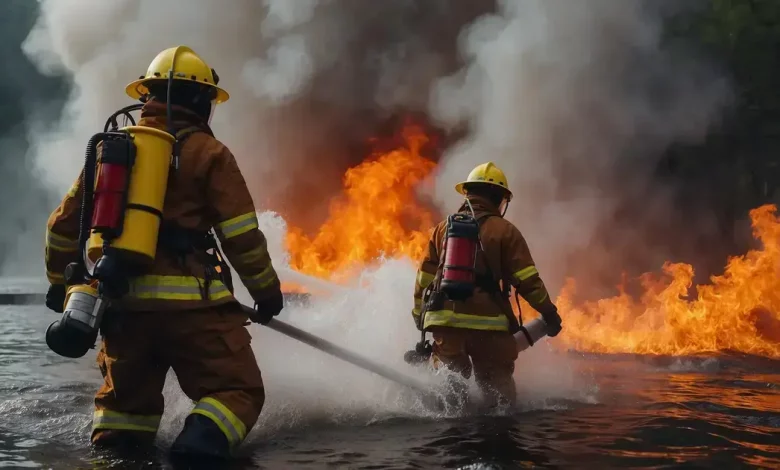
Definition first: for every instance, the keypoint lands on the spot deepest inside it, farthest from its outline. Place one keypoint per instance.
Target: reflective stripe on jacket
(462, 320)
(507, 255)
(176, 288)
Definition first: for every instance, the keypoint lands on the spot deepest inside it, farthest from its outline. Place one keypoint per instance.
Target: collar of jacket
(154, 114)
(481, 206)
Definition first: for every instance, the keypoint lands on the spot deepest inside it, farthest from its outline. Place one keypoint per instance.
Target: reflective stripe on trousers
(106, 419)
(175, 288)
(228, 423)
(462, 320)
(237, 225)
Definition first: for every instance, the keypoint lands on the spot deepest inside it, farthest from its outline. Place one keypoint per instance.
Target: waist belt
(181, 242)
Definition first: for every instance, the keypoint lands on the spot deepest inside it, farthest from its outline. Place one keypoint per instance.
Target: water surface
(642, 413)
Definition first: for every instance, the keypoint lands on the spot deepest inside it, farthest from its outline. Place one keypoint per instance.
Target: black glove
(55, 297)
(553, 321)
(268, 308)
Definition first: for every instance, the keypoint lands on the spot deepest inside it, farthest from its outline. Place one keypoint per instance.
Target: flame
(376, 216)
(736, 311)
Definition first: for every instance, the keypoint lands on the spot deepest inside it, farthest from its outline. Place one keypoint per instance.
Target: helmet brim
(137, 89)
(461, 187)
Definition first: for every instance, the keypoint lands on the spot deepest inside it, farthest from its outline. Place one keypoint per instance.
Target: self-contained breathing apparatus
(457, 277)
(121, 225)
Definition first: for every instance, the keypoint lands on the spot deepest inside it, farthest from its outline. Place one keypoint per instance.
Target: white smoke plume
(308, 78)
(576, 101)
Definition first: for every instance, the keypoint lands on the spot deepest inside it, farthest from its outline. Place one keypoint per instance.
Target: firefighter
(476, 333)
(181, 313)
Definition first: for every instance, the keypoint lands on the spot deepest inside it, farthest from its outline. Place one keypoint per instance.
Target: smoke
(576, 102)
(310, 79)
(25, 96)
(306, 387)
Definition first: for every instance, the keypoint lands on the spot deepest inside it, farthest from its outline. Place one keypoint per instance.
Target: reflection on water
(650, 412)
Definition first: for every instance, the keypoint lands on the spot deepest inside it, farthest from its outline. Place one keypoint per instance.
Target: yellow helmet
(486, 173)
(187, 65)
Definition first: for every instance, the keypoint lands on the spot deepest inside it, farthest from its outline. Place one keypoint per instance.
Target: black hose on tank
(88, 190)
(111, 121)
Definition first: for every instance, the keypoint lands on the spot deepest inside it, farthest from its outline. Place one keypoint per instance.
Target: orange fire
(376, 216)
(736, 311)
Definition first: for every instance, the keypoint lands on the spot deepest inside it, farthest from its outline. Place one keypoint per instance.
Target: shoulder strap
(480, 219)
(442, 255)
(515, 324)
(181, 136)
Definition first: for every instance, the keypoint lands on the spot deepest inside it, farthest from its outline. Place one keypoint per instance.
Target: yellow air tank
(137, 243)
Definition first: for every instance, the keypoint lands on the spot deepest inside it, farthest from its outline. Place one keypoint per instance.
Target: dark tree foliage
(741, 159)
(743, 35)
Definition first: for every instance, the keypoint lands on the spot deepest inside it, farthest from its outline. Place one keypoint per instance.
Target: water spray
(341, 353)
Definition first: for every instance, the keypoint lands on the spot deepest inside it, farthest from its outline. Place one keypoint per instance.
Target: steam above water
(575, 100)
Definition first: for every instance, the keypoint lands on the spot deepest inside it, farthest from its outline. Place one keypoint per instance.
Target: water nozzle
(420, 354)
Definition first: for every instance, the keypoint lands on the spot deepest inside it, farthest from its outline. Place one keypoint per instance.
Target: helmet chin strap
(501, 207)
(211, 112)
(504, 203)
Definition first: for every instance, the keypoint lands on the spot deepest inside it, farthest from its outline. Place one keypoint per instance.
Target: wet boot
(201, 442)
(123, 444)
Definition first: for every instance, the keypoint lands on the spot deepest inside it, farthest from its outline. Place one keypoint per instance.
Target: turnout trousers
(208, 350)
(490, 355)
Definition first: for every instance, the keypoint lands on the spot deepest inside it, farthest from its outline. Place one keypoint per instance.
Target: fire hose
(341, 353)
(88, 334)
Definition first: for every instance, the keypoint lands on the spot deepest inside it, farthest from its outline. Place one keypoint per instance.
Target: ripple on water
(621, 412)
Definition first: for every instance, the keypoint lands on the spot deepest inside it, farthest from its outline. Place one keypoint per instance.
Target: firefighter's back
(182, 276)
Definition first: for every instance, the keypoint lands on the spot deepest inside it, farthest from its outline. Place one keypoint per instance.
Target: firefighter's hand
(553, 321)
(268, 308)
(55, 297)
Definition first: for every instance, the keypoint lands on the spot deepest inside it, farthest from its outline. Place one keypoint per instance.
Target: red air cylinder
(110, 189)
(460, 254)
